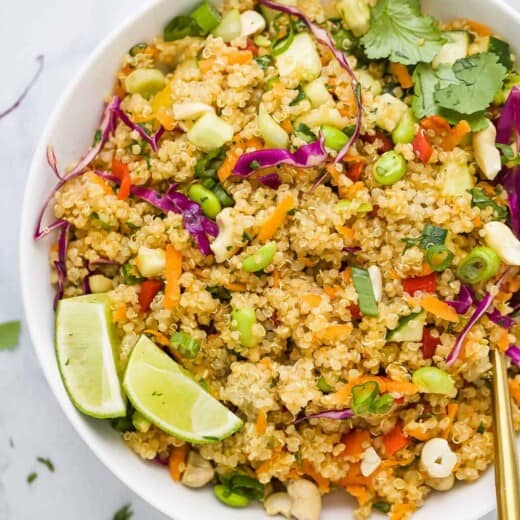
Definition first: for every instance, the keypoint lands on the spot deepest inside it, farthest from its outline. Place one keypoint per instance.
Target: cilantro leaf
(400, 32)
(481, 200)
(9, 334)
(476, 80)
(502, 50)
(476, 121)
(425, 82)
(125, 513)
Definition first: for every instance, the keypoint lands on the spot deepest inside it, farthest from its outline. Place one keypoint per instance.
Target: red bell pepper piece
(421, 283)
(422, 148)
(355, 170)
(122, 172)
(251, 46)
(355, 311)
(429, 344)
(149, 288)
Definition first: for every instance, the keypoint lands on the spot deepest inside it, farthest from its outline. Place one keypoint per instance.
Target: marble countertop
(31, 423)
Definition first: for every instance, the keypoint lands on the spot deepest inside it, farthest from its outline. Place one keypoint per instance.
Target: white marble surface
(31, 424)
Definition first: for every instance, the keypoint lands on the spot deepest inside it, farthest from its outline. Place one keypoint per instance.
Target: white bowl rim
(27, 227)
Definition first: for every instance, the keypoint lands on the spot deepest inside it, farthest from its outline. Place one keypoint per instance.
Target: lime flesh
(164, 393)
(86, 348)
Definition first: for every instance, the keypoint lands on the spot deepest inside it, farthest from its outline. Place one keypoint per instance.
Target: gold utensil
(507, 476)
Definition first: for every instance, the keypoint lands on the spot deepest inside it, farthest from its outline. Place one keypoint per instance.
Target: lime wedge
(164, 393)
(86, 347)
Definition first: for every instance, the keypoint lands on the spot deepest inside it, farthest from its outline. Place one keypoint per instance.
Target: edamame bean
(433, 380)
(242, 320)
(481, 264)
(389, 168)
(334, 138)
(229, 498)
(146, 82)
(405, 130)
(208, 201)
(261, 259)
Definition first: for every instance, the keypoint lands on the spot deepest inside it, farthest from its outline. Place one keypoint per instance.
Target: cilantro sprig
(400, 32)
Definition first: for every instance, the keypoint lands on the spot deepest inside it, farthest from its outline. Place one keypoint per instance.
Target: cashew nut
(442, 484)
(437, 458)
(501, 239)
(278, 504)
(306, 500)
(486, 153)
(198, 472)
(100, 284)
(222, 245)
(150, 262)
(370, 461)
(252, 23)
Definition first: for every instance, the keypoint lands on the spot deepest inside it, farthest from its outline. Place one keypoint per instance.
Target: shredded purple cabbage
(40, 59)
(514, 353)
(339, 415)
(307, 156)
(271, 180)
(351, 250)
(481, 309)
(61, 263)
(195, 222)
(324, 37)
(53, 162)
(464, 300)
(504, 321)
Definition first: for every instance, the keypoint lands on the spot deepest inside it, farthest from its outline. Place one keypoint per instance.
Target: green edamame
(433, 380)
(261, 259)
(404, 132)
(389, 168)
(229, 498)
(334, 138)
(243, 320)
(208, 201)
(146, 82)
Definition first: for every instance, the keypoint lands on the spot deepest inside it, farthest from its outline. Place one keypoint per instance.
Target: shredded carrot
(354, 158)
(286, 125)
(436, 123)
(503, 296)
(352, 190)
(235, 287)
(276, 278)
(347, 275)
(176, 462)
(308, 469)
(279, 88)
(206, 65)
(477, 222)
(398, 387)
(354, 477)
(227, 166)
(267, 363)
(100, 182)
(159, 337)
(119, 89)
(401, 74)
(346, 110)
(254, 142)
(120, 313)
(276, 219)
(335, 331)
(419, 433)
(488, 188)
(355, 443)
(452, 413)
(268, 464)
(173, 270)
(514, 284)
(261, 423)
(151, 51)
(127, 70)
(333, 172)
(455, 135)
(503, 340)
(400, 511)
(236, 57)
(359, 492)
(514, 387)
(479, 28)
(331, 292)
(346, 232)
(426, 269)
(395, 440)
(122, 172)
(165, 118)
(54, 248)
(439, 308)
(312, 300)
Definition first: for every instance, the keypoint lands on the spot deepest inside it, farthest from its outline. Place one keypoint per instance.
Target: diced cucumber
(272, 133)
(230, 27)
(454, 49)
(210, 132)
(355, 14)
(146, 82)
(456, 179)
(317, 93)
(409, 328)
(301, 60)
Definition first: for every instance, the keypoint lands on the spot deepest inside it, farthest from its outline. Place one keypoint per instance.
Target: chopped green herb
(125, 513)
(502, 51)
(509, 157)
(481, 428)
(136, 49)
(97, 137)
(131, 274)
(180, 27)
(300, 96)
(246, 237)
(481, 200)
(349, 130)
(264, 61)
(208, 165)
(384, 507)
(225, 199)
(219, 293)
(46, 462)
(32, 477)
(298, 457)
(400, 32)
(9, 334)
(185, 344)
(431, 235)
(254, 165)
(305, 133)
(104, 225)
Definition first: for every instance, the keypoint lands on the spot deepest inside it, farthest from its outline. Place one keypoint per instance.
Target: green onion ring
(439, 257)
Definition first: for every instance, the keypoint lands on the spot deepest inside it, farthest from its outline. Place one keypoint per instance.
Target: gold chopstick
(507, 477)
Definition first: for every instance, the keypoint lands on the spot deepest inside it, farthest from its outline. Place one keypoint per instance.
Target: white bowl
(70, 131)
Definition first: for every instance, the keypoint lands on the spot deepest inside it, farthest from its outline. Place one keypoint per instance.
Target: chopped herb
(185, 344)
(9, 334)
(300, 96)
(292, 212)
(32, 477)
(104, 225)
(97, 137)
(509, 158)
(305, 133)
(273, 382)
(180, 27)
(125, 513)
(264, 61)
(246, 237)
(349, 130)
(131, 274)
(384, 507)
(225, 199)
(481, 200)
(481, 428)
(502, 51)
(298, 457)
(136, 49)
(219, 293)
(244, 485)
(124, 424)
(204, 384)
(132, 226)
(254, 165)
(46, 462)
(431, 235)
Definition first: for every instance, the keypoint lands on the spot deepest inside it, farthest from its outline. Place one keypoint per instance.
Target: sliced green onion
(207, 17)
(264, 61)
(334, 138)
(363, 397)
(226, 200)
(185, 345)
(9, 334)
(131, 274)
(324, 386)
(209, 183)
(180, 27)
(383, 404)
(363, 285)
(439, 257)
(280, 45)
(136, 49)
(481, 264)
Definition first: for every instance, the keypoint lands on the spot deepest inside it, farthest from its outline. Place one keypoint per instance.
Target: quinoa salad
(282, 264)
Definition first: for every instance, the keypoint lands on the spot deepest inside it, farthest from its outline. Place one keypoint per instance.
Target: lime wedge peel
(86, 349)
(164, 393)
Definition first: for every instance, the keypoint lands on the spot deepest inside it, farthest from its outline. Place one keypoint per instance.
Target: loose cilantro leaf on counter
(46, 462)
(31, 477)
(400, 32)
(125, 513)
(473, 85)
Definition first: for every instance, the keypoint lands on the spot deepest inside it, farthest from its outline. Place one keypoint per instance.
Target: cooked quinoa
(313, 341)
